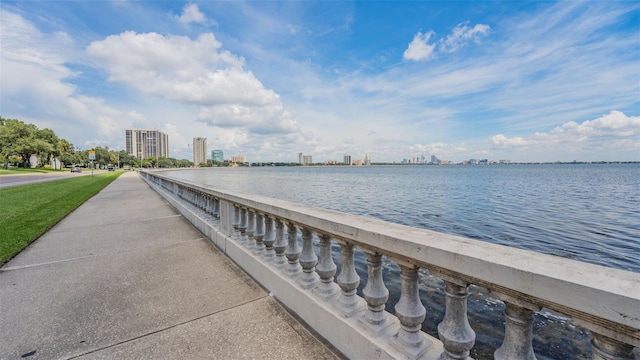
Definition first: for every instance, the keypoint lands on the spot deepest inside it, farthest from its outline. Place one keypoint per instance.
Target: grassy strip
(28, 211)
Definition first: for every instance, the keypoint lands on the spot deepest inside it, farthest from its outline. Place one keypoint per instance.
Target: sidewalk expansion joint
(56, 230)
(20, 267)
(167, 328)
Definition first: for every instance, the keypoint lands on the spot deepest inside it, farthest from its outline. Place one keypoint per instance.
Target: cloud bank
(194, 72)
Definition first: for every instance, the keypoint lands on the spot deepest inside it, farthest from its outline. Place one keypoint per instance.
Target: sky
(503, 80)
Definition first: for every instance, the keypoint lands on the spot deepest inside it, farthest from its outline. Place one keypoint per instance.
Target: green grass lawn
(28, 211)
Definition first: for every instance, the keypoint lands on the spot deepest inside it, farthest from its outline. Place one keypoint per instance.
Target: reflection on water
(583, 212)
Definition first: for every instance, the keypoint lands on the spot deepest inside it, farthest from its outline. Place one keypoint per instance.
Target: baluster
(236, 218)
(280, 245)
(243, 222)
(326, 269)
(454, 331)
(518, 330)
(259, 233)
(376, 295)
(308, 261)
(216, 208)
(292, 252)
(269, 239)
(410, 340)
(348, 280)
(606, 348)
(251, 226)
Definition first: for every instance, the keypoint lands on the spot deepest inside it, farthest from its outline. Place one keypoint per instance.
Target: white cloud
(608, 132)
(461, 35)
(439, 149)
(194, 72)
(35, 71)
(270, 119)
(419, 48)
(135, 115)
(192, 14)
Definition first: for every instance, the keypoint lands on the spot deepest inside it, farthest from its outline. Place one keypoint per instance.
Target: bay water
(585, 212)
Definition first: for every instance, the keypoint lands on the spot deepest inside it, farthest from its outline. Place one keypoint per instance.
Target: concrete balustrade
(251, 230)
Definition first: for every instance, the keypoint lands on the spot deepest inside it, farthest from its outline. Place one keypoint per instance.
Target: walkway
(125, 277)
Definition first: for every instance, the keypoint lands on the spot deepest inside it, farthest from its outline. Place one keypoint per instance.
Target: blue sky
(524, 81)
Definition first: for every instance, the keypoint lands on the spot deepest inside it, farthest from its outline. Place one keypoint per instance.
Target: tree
(102, 155)
(165, 163)
(20, 139)
(48, 147)
(14, 135)
(151, 160)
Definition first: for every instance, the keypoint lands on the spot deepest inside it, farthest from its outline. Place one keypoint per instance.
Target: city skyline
(526, 81)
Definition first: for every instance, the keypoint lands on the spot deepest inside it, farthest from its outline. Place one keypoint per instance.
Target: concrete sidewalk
(125, 277)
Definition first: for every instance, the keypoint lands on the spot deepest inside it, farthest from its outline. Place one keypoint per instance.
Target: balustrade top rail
(607, 299)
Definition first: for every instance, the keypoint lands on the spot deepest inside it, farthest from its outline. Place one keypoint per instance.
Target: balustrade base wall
(250, 230)
(345, 333)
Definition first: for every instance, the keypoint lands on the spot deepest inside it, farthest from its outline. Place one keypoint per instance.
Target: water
(583, 212)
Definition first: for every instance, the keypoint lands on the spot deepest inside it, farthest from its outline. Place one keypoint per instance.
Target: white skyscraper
(143, 143)
(199, 151)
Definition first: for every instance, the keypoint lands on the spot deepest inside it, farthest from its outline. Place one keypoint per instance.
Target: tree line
(19, 140)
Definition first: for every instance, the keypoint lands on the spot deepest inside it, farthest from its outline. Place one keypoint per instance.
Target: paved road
(125, 276)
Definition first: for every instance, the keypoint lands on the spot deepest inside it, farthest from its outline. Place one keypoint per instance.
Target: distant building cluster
(305, 159)
(217, 155)
(421, 160)
(346, 160)
(143, 143)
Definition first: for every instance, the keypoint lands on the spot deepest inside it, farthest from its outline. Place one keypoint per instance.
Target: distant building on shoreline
(143, 143)
(199, 151)
(239, 159)
(217, 156)
(347, 159)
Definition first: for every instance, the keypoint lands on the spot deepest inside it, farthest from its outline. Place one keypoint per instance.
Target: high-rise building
(143, 143)
(367, 160)
(307, 160)
(239, 159)
(347, 159)
(217, 156)
(300, 159)
(435, 160)
(199, 151)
